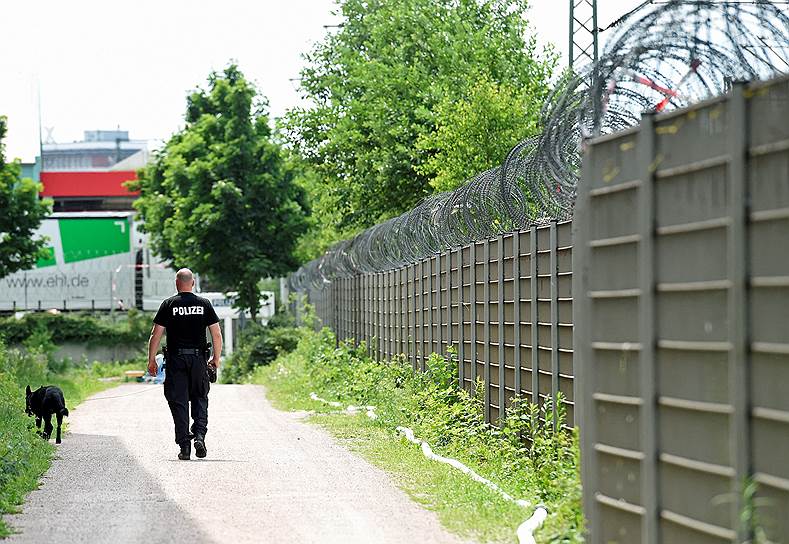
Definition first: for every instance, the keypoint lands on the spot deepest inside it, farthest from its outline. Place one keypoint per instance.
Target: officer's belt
(189, 351)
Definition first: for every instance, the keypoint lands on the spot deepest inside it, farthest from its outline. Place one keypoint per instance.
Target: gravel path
(268, 477)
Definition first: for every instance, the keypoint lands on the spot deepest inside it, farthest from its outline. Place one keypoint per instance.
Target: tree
(322, 230)
(476, 132)
(219, 197)
(326, 210)
(375, 87)
(21, 212)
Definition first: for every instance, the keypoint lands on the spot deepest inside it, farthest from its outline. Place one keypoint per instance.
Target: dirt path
(268, 478)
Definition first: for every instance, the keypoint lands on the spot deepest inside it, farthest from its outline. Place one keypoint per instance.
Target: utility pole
(583, 32)
(40, 161)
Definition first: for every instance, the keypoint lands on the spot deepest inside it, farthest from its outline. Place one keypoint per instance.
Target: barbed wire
(666, 56)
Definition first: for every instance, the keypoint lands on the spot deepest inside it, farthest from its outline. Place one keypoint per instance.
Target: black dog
(43, 402)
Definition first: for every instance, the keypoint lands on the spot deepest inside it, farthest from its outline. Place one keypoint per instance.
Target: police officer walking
(185, 317)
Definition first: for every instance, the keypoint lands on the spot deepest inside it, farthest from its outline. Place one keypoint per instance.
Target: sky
(104, 65)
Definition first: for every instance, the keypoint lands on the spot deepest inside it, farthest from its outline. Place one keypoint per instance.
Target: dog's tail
(64, 411)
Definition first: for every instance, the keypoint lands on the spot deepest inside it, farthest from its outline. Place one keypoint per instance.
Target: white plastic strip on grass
(525, 530)
(428, 451)
(335, 404)
(369, 410)
(351, 409)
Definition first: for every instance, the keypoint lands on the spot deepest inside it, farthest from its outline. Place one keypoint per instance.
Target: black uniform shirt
(185, 316)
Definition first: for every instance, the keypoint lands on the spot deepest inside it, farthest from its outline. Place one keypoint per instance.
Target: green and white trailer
(95, 261)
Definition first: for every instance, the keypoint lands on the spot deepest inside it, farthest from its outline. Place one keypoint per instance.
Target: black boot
(200, 450)
(186, 451)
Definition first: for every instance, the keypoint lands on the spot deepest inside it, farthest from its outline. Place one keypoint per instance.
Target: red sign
(64, 184)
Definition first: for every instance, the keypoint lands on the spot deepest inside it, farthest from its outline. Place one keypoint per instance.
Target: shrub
(131, 328)
(259, 345)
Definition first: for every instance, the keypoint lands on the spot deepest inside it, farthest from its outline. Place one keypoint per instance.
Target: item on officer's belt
(210, 371)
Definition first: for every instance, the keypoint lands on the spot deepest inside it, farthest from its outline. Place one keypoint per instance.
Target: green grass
(24, 456)
(463, 506)
(542, 470)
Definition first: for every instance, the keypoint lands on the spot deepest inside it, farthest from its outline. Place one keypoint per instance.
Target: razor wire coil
(658, 59)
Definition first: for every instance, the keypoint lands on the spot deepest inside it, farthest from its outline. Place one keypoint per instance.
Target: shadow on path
(96, 491)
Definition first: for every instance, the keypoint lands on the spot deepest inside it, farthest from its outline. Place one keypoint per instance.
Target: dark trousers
(186, 381)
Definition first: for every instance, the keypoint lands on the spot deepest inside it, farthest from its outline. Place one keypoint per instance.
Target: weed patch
(259, 345)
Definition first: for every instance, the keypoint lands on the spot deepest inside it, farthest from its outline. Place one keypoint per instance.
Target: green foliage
(324, 223)
(375, 87)
(259, 345)
(23, 455)
(220, 198)
(750, 517)
(524, 453)
(475, 133)
(21, 212)
(36, 327)
(270, 284)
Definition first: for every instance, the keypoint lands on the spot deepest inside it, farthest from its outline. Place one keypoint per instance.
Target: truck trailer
(94, 261)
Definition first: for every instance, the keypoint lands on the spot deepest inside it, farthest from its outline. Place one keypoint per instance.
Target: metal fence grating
(499, 304)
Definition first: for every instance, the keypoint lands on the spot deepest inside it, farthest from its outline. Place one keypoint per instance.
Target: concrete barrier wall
(681, 239)
(77, 352)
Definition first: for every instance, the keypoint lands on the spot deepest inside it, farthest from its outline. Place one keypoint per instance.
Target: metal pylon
(583, 32)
